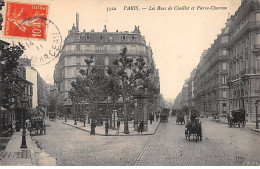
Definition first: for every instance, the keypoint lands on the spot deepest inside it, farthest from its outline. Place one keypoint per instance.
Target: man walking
(93, 126)
(157, 116)
(117, 126)
(151, 118)
(141, 126)
(106, 128)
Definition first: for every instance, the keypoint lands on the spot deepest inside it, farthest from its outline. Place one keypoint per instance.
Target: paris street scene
(130, 83)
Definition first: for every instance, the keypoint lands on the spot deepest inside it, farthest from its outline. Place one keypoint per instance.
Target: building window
(257, 65)
(88, 37)
(83, 47)
(258, 39)
(224, 94)
(257, 85)
(29, 90)
(123, 37)
(224, 80)
(78, 61)
(257, 16)
(77, 37)
(224, 105)
(224, 39)
(101, 37)
(224, 52)
(133, 37)
(224, 66)
(25, 90)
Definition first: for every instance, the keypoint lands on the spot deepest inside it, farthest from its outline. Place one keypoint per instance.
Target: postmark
(25, 20)
(43, 52)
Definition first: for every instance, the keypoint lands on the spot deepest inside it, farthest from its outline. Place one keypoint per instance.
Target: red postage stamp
(26, 20)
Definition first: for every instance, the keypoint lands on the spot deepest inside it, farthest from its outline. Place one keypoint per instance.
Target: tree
(11, 84)
(113, 92)
(2, 3)
(91, 88)
(138, 78)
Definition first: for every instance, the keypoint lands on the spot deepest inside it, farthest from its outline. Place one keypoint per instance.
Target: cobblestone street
(220, 146)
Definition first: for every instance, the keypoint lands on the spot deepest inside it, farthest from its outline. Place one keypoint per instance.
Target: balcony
(101, 52)
(256, 48)
(249, 25)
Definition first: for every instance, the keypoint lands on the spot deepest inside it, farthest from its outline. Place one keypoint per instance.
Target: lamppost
(75, 118)
(256, 116)
(23, 145)
(66, 112)
(126, 129)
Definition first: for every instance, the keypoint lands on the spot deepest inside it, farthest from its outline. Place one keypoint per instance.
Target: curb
(136, 134)
(81, 128)
(255, 130)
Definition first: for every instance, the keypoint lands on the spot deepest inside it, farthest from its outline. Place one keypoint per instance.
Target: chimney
(77, 21)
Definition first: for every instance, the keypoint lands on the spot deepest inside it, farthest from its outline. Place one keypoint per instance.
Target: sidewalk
(100, 130)
(249, 125)
(13, 155)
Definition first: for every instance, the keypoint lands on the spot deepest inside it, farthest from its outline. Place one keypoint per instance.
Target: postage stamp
(25, 20)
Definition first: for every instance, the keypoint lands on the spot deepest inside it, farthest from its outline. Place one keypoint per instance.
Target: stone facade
(244, 61)
(104, 47)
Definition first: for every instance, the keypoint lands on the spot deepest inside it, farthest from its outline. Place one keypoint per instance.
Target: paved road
(220, 146)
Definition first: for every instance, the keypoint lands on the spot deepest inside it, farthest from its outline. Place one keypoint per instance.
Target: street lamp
(75, 118)
(66, 112)
(256, 116)
(126, 120)
(23, 145)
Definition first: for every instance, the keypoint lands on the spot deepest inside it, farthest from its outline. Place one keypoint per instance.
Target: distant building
(53, 99)
(191, 101)
(177, 102)
(104, 47)
(41, 90)
(211, 89)
(244, 58)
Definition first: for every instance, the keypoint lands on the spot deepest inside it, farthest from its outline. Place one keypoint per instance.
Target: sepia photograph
(129, 83)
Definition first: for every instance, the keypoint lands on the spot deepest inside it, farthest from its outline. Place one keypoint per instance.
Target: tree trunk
(126, 130)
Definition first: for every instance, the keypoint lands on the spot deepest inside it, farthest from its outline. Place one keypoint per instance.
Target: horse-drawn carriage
(52, 116)
(173, 113)
(237, 117)
(37, 126)
(164, 114)
(180, 118)
(193, 128)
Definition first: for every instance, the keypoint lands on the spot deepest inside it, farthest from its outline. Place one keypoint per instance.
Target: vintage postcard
(130, 83)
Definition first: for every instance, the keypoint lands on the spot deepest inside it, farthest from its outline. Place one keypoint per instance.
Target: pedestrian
(141, 126)
(118, 126)
(9, 132)
(106, 128)
(157, 116)
(93, 126)
(18, 126)
(151, 118)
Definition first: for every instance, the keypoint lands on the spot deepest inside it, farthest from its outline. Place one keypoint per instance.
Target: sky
(177, 37)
